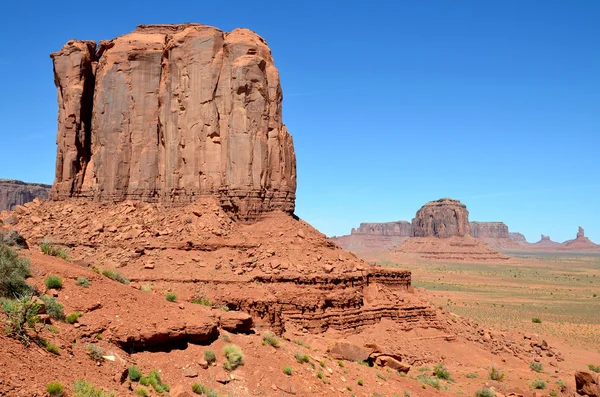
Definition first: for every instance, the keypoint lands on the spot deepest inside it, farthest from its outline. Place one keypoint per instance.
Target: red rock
(14, 193)
(587, 383)
(488, 229)
(213, 98)
(350, 352)
(441, 218)
(236, 322)
(393, 363)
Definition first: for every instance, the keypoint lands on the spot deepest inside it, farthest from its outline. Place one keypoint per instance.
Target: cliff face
(441, 218)
(13, 193)
(517, 237)
(399, 228)
(488, 230)
(170, 113)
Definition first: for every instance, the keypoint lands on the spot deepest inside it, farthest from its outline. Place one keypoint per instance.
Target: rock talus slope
(172, 112)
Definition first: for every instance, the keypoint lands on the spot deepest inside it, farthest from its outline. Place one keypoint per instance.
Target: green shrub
(55, 389)
(234, 356)
(134, 373)
(536, 320)
(496, 374)
(153, 379)
(287, 370)
(537, 367)
(199, 388)
(95, 352)
(429, 381)
(473, 375)
(538, 384)
(340, 363)
(82, 282)
(85, 389)
(201, 301)
(54, 308)
(48, 248)
(380, 376)
(424, 368)
(322, 364)
(210, 356)
(52, 348)
(12, 238)
(441, 372)
(22, 318)
(13, 271)
(360, 382)
(115, 276)
(302, 358)
(301, 343)
(595, 368)
(142, 391)
(73, 317)
(146, 288)
(54, 282)
(270, 339)
(485, 392)
(171, 297)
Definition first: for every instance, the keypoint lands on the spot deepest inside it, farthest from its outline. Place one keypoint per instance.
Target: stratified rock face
(518, 237)
(580, 232)
(399, 228)
(178, 111)
(13, 193)
(488, 230)
(545, 238)
(441, 218)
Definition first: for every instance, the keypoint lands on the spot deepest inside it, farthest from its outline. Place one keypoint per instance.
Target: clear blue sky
(391, 103)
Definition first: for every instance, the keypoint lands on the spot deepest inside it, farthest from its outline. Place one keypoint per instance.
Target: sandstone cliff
(517, 237)
(488, 229)
(13, 193)
(172, 112)
(441, 218)
(398, 228)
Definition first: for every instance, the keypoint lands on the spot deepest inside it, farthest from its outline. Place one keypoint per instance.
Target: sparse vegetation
(496, 374)
(13, 271)
(322, 364)
(54, 308)
(82, 282)
(234, 356)
(270, 339)
(142, 391)
(171, 297)
(153, 379)
(201, 301)
(473, 375)
(225, 337)
(287, 370)
(22, 320)
(429, 381)
(49, 248)
(536, 320)
(95, 352)
(134, 373)
(301, 343)
(340, 363)
(537, 367)
(595, 368)
(210, 356)
(360, 382)
(199, 388)
(485, 392)
(53, 282)
(85, 389)
(115, 276)
(52, 348)
(302, 358)
(55, 389)
(146, 288)
(441, 372)
(380, 376)
(538, 384)
(73, 317)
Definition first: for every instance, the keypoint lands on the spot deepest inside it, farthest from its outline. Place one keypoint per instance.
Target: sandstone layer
(13, 193)
(375, 236)
(169, 113)
(517, 237)
(488, 230)
(441, 218)
(398, 228)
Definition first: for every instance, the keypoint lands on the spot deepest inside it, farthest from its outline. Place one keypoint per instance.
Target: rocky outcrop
(172, 112)
(398, 228)
(488, 230)
(580, 243)
(441, 218)
(517, 237)
(580, 232)
(587, 384)
(13, 193)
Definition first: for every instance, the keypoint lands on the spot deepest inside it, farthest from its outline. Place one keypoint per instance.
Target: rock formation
(488, 229)
(441, 218)
(398, 228)
(580, 232)
(517, 237)
(580, 243)
(375, 236)
(172, 112)
(13, 193)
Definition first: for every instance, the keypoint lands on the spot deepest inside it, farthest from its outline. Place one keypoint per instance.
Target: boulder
(236, 322)
(587, 383)
(441, 218)
(392, 362)
(350, 352)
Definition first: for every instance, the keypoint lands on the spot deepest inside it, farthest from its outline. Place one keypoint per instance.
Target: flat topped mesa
(441, 218)
(172, 112)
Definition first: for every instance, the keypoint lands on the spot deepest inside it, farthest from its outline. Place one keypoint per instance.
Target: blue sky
(391, 103)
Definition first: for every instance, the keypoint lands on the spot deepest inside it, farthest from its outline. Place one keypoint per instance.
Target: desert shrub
(85, 389)
(429, 381)
(153, 379)
(234, 356)
(441, 372)
(270, 339)
(360, 382)
(201, 301)
(13, 271)
(226, 338)
(380, 376)
(538, 384)
(210, 356)
(485, 392)
(55, 389)
(142, 391)
(54, 282)
(198, 388)
(595, 368)
(473, 375)
(95, 352)
(171, 297)
(425, 368)
(537, 367)
(287, 370)
(22, 318)
(146, 288)
(82, 282)
(134, 373)
(48, 248)
(340, 363)
(406, 393)
(52, 348)
(301, 343)
(302, 358)
(53, 308)
(322, 364)
(496, 374)
(12, 238)
(349, 388)
(73, 317)
(115, 276)
(536, 320)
